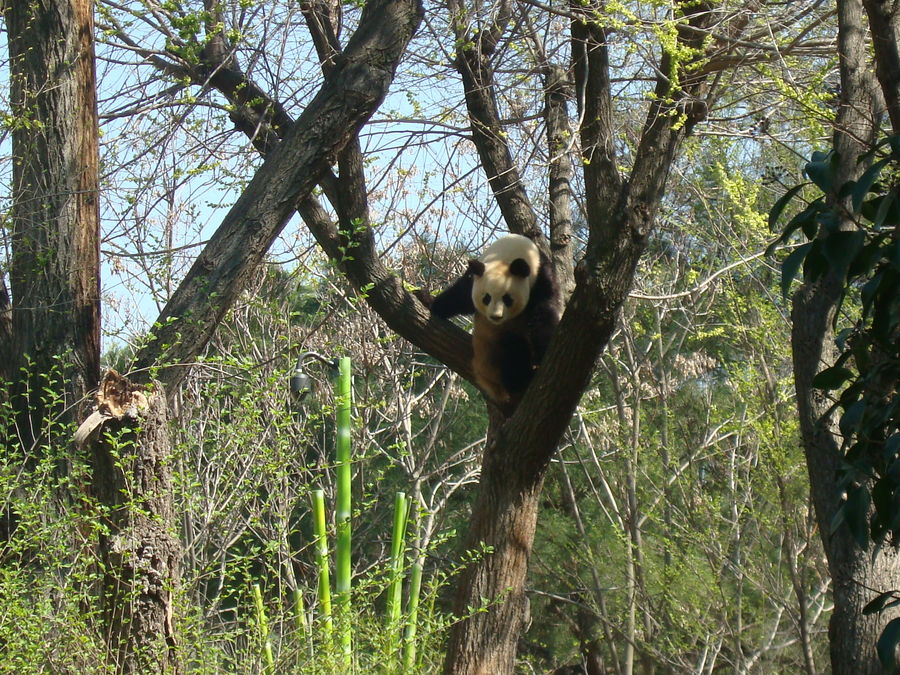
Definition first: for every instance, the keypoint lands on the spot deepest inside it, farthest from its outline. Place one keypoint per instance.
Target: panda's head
(503, 278)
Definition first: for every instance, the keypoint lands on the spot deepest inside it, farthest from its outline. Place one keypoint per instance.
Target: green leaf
(880, 602)
(887, 202)
(895, 144)
(832, 378)
(815, 264)
(841, 248)
(892, 446)
(887, 645)
(820, 170)
(805, 219)
(851, 418)
(882, 498)
(865, 182)
(791, 265)
(778, 207)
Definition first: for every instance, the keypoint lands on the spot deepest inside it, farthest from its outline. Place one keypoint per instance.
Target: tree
(623, 187)
(517, 75)
(53, 317)
(855, 573)
(54, 323)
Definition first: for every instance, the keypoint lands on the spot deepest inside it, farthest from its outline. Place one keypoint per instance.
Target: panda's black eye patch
(486, 299)
(507, 300)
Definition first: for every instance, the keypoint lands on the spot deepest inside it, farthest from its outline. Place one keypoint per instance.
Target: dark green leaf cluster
(859, 249)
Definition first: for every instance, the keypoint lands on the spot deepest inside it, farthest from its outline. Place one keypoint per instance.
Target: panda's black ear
(520, 268)
(476, 267)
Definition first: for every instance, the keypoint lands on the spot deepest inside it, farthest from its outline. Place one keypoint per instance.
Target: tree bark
(560, 174)
(856, 576)
(138, 552)
(884, 24)
(53, 316)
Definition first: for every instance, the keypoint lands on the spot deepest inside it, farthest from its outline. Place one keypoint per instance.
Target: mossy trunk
(137, 552)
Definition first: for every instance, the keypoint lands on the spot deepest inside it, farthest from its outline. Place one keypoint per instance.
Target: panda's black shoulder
(546, 291)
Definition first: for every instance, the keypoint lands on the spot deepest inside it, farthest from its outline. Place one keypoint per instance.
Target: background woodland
(230, 184)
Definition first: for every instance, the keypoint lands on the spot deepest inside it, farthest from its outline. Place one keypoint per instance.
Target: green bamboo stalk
(342, 511)
(321, 553)
(299, 624)
(395, 585)
(263, 625)
(412, 613)
(299, 612)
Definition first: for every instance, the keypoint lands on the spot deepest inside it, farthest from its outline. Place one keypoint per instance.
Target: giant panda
(513, 292)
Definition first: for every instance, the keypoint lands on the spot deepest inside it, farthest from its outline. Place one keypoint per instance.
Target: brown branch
(400, 309)
(349, 95)
(352, 247)
(472, 63)
(590, 64)
(323, 20)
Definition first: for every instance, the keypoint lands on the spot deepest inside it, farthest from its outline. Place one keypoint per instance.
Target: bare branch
(348, 97)
(473, 64)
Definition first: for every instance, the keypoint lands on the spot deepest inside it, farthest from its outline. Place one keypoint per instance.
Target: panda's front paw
(424, 297)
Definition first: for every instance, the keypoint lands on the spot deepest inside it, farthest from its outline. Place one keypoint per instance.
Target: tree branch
(590, 64)
(349, 95)
(472, 63)
(557, 92)
(519, 452)
(884, 22)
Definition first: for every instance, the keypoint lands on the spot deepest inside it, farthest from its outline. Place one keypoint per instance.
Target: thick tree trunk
(54, 322)
(503, 520)
(856, 576)
(138, 553)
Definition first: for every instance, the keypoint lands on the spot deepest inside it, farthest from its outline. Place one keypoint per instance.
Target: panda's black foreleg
(455, 299)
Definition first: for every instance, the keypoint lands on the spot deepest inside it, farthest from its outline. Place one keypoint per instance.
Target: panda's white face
(503, 277)
(500, 295)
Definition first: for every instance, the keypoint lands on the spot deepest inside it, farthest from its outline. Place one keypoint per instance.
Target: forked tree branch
(473, 64)
(518, 454)
(348, 97)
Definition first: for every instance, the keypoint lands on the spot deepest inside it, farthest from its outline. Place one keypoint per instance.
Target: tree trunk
(54, 323)
(138, 552)
(856, 576)
(505, 521)
(620, 217)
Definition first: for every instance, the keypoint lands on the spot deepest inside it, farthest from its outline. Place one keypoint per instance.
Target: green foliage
(47, 567)
(864, 261)
(246, 460)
